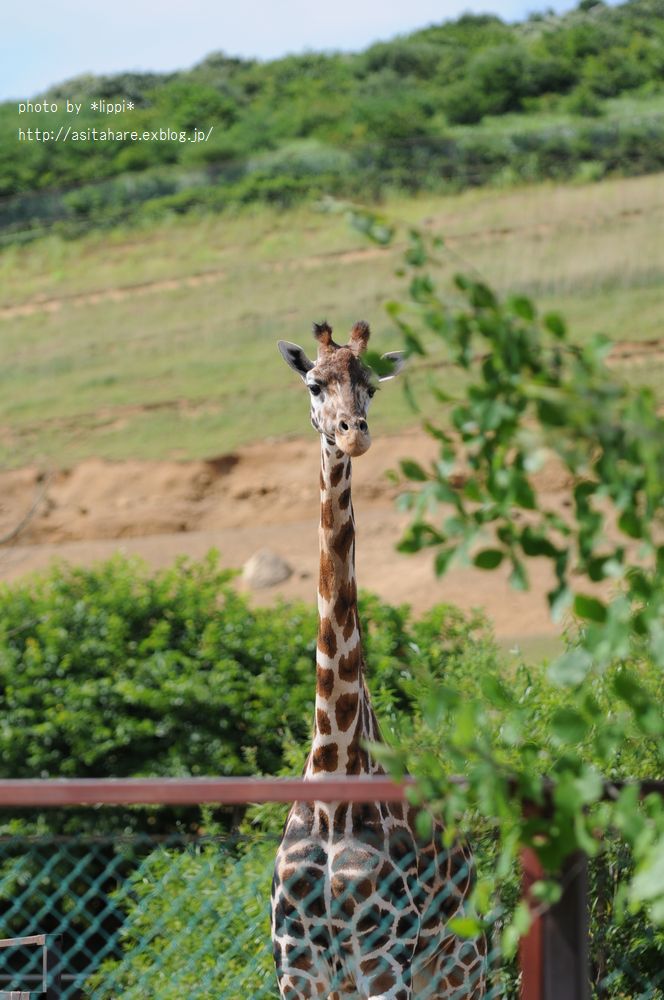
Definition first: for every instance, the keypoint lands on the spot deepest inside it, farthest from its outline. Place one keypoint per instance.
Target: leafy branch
(534, 396)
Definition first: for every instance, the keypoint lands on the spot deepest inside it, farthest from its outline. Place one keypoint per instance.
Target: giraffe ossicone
(360, 902)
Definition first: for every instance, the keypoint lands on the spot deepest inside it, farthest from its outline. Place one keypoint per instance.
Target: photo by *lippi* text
(91, 133)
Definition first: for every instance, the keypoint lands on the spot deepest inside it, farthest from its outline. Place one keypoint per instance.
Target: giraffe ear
(295, 357)
(398, 359)
(359, 337)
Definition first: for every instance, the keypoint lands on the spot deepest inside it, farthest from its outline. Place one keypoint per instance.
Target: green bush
(302, 158)
(114, 671)
(464, 103)
(501, 75)
(582, 101)
(124, 673)
(198, 924)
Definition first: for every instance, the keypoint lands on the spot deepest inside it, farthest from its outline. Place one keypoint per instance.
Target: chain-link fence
(167, 917)
(172, 917)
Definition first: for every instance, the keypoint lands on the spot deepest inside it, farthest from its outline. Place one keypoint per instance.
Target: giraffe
(360, 902)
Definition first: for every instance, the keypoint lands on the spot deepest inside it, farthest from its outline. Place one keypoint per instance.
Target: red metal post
(554, 953)
(531, 949)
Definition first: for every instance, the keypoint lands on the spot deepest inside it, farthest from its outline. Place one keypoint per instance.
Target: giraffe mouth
(353, 443)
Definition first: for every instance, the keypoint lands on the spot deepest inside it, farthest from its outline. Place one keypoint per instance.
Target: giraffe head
(340, 385)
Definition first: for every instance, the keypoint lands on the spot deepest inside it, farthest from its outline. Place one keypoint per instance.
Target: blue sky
(46, 42)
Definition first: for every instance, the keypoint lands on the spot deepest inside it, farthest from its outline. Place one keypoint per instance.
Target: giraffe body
(359, 902)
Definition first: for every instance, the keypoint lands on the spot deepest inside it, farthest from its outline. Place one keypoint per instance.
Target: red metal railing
(47, 792)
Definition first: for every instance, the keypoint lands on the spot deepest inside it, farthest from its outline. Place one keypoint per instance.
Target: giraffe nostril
(343, 426)
(362, 424)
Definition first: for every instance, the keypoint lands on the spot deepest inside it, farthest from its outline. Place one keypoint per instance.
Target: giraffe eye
(371, 390)
(314, 389)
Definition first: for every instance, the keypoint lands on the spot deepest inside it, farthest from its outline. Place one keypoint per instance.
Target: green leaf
(410, 396)
(372, 226)
(416, 254)
(589, 785)
(534, 543)
(412, 470)
(518, 577)
(412, 342)
(631, 524)
(496, 692)
(569, 725)
(589, 608)
(509, 941)
(523, 494)
(424, 824)
(421, 288)
(443, 560)
(522, 918)
(548, 892)
(522, 306)
(559, 601)
(466, 927)
(629, 689)
(379, 365)
(488, 558)
(472, 491)
(648, 883)
(411, 542)
(556, 324)
(571, 668)
(481, 296)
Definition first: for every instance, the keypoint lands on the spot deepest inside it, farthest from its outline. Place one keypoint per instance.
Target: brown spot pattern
(345, 604)
(327, 515)
(325, 575)
(325, 758)
(351, 625)
(349, 665)
(345, 710)
(366, 815)
(337, 472)
(344, 540)
(344, 498)
(323, 723)
(339, 819)
(324, 682)
(327, 640)
(384, 982)
(358, 758)
(302, 960)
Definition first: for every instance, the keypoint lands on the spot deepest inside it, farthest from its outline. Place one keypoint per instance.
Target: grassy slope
(189, 368)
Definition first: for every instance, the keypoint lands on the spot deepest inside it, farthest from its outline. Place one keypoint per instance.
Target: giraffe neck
(343, 711)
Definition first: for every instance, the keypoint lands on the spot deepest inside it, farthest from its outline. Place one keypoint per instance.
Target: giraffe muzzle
(353, 437)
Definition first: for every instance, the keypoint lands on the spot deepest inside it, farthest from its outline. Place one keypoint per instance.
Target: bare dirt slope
(264, 495)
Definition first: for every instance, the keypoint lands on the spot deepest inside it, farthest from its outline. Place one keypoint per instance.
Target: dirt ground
(262, 496)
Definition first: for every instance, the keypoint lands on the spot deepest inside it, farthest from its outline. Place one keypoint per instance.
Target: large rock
(265, 569)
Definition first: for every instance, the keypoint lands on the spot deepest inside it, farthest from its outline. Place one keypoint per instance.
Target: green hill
(158, 341)
(458, 104)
